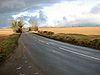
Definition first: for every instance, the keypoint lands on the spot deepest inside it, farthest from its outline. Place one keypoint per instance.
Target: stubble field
(8, 42)
(83, 36)
(75, 30)
(4, 33)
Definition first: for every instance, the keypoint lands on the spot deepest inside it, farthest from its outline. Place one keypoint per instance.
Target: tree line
(17, 26)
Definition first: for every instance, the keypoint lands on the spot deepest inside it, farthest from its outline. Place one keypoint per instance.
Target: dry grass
(75, 30)
(8, 42)
(92, 41)
(4, 33)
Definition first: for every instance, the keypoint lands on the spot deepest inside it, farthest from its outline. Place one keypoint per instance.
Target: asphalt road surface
(57, 58)
(50, 57)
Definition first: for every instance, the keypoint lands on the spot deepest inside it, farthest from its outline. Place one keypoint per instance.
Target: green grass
(2, 37)
(91, 41)
(8, 45)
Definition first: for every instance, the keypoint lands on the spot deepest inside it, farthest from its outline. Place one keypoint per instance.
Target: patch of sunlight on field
(4, 33)
(75, 30)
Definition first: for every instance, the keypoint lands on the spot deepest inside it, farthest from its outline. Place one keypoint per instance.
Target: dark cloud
(7, 6)
(5, 20)
(11, 7)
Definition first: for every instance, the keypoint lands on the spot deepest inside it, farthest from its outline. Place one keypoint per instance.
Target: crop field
(83, 36)
(75, 30)
(4, 33)
(8, 42)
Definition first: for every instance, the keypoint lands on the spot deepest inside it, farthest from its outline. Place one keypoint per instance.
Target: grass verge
(91, 41)
(7, 45)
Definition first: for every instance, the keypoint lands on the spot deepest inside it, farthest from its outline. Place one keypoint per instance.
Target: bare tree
(17, 25)
(34, 26)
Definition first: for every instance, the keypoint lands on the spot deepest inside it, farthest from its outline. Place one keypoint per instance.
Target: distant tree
(17, 25)
(34, 26)
(20, 24)
(14, 25)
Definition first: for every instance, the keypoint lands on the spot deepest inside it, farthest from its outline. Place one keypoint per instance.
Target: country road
(57, 58)
(50, 57)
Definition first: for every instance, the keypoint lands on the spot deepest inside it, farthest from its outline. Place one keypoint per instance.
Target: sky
(51, 13)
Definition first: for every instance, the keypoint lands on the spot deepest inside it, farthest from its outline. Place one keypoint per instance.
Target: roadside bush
(8, 45)
(95, 43)
(30, 29)
(77, 39)
(46, 32)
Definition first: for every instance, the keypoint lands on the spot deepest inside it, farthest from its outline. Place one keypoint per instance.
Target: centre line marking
(79, 53)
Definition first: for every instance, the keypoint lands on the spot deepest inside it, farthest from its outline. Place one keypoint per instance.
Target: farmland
(83, 36)
(8, 42)
(75, 30)
(4, 33)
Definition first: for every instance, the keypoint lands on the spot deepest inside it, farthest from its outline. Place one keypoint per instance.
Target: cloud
(51, 12)
(96, 9)
(37, 16)
(5, 20)
(42, 17)
(64, 14)
(13, 7)
(7, 6)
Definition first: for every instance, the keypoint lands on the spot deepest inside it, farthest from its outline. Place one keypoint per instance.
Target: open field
(4, 33)
(75, 30)
(83, 36)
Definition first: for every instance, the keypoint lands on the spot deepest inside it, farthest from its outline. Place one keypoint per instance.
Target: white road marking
(58, 52)
(79, 53)
(52, 43)
(41, 41)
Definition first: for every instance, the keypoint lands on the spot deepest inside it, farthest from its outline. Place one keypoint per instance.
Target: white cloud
(77, 13)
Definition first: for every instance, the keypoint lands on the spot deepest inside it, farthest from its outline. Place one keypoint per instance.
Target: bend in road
(57, 58)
